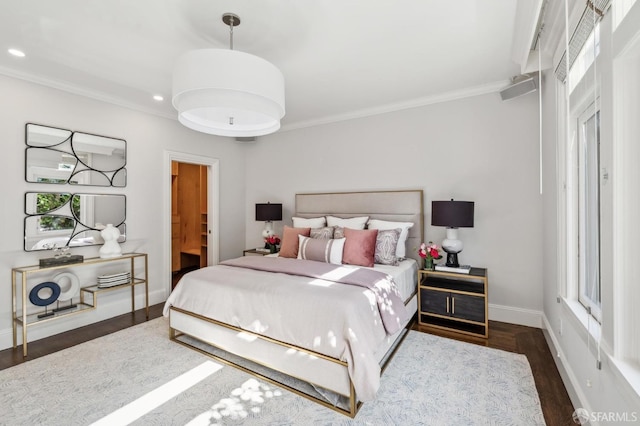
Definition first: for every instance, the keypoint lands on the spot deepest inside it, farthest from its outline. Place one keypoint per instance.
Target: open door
(189, 218)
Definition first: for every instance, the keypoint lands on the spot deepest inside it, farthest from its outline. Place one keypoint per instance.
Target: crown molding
(399, 106)
(77, 90)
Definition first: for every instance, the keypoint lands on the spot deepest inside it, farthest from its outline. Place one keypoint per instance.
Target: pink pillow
(289, 243)
(359, 247)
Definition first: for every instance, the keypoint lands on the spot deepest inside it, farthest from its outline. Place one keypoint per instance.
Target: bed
(294, 317)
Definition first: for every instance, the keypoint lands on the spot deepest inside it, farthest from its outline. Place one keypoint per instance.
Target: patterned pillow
(338, 232)
(325, 233)
(386, 243)
(404, 233)
(327, 251)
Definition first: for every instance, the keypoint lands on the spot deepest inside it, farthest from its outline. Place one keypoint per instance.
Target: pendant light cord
(231, 32)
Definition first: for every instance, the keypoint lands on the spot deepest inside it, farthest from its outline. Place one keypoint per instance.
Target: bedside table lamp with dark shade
(267, 213)
(453, 215)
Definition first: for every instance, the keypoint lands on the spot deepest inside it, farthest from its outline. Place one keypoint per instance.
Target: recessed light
(158, 98)
(16, 52)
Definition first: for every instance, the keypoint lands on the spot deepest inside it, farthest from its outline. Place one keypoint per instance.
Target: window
(582, 167)
(588, 191)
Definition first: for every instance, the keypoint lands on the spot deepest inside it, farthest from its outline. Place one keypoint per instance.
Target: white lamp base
(268, 229)
(452, 246)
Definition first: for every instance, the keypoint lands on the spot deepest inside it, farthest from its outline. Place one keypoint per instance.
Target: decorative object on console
(227, 92)
(69, 287)
(267, 213)
(112, 280)
(110, 248)
(429, 252)
(36, 299)
(64, 260)
(453, 215)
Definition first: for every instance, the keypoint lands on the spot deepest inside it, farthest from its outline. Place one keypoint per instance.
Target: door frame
(213, 210)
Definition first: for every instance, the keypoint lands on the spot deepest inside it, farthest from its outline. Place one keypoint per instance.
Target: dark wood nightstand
(456, 302)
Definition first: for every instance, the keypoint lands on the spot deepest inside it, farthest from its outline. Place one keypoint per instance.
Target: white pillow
(314, 222)
(352, 222)
(401, 249)
(327, 251)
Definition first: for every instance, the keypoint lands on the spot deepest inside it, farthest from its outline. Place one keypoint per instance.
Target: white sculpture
(111, 248)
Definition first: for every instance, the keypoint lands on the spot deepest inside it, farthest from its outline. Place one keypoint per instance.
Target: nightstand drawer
(456, 302)
(454, 305)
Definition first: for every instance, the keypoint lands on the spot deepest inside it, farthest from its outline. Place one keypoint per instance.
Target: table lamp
(267, 213)
(453, 215)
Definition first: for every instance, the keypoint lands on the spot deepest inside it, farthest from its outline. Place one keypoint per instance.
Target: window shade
(593, 12)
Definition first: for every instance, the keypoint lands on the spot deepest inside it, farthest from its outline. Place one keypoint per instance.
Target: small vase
(273, 248)
(428, 263)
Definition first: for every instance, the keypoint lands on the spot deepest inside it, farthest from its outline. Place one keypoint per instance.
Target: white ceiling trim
(82, 91)
(398, 106)
(367, 112)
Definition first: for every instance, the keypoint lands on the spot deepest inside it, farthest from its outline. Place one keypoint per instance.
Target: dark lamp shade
(268, 212)
(452, 214)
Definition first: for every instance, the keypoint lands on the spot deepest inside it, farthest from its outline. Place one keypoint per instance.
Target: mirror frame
(66, 211)
(113, 177)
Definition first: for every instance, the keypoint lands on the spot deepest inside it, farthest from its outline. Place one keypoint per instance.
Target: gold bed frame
(354, 405)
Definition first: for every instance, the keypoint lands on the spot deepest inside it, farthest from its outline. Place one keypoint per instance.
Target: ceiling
(340, 58)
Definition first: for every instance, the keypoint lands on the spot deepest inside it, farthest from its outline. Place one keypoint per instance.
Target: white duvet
(338, 320)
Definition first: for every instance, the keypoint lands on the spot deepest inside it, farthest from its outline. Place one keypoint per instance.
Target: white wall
(478, 149)
(602, 391)
(147, 138)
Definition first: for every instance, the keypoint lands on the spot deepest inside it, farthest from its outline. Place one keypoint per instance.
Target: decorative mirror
(62, 219)
(61, 156)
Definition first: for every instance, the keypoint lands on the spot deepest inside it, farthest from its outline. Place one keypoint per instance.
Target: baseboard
(520, 316)
(578, 399)
(108, 307)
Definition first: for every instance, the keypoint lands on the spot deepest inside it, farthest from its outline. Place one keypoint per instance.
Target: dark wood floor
(529, 341)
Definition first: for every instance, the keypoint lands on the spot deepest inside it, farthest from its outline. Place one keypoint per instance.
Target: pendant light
(227, 92)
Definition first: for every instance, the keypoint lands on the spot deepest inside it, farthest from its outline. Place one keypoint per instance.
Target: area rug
(138, 376)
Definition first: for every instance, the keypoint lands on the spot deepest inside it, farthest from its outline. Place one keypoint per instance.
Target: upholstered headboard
(400, 206)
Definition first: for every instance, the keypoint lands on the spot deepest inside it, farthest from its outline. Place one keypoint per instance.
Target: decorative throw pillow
(314, 222)
(401, 248)
(359, 247)
(327, 251)
(289, 243)
(325, 233)
(351, 222)
(338, 232)
(386, 243)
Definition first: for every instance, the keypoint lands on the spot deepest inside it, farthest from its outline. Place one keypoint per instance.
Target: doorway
(189, 224)
(191, 214)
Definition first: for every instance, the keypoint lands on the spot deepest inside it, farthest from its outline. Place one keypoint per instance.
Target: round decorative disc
(34, 294)
(69, 285)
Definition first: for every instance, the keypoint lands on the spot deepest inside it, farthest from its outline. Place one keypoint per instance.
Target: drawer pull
(453, 305)
(447, 304)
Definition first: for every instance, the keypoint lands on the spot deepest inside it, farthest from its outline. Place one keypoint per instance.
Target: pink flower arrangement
(272, 240)
(429, 251)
